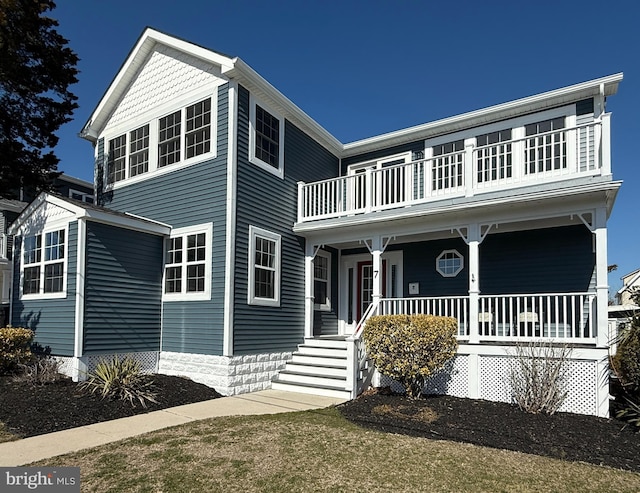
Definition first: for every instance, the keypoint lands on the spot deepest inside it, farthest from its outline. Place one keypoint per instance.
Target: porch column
(310, 253)
(376, 252)
(473, 240)
(602, 284)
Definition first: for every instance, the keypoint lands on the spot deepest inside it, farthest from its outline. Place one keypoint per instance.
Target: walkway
(36, 448)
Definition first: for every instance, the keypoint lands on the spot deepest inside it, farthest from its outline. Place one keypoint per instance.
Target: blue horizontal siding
(266, 201)
(188, 196)
(122, 290)
(53, 320)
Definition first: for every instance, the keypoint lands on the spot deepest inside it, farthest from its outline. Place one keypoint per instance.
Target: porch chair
(528, 321)
(485, 323)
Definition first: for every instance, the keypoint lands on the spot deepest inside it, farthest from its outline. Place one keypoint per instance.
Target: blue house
(235, 241)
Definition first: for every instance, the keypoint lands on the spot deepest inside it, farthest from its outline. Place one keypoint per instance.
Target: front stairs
(319, 367)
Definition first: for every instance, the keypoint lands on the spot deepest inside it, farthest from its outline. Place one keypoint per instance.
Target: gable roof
(236, 69)
(83, 210)
(634, 277)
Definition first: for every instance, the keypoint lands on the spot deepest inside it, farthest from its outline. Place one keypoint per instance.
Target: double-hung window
(264, 267)
(322, 281)
(187, 273)
(43, 263)
(266, 139)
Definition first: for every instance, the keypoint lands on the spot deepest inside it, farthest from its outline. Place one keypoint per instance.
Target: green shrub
(15, 348)
(410, 348)
(626, 362)
(120, 379)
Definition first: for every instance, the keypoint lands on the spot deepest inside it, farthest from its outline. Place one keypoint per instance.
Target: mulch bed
(566, 436)
(29, 410)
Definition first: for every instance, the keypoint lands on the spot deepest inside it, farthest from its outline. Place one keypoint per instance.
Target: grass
(321, 451)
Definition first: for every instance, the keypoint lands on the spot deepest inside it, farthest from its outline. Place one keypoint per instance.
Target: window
(548, 151)
(82, 196)
(169, 139)
(43, 263)
(267, 140)
(198, 137)
(187, 273)
(322, 281)
(449, 263)
(116, 163)
(176, 137)
(494, 158)
(139, 151)
(447, 165)
(264, 267)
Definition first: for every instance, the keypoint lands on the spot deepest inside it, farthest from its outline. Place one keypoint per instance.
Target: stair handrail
(357, 360)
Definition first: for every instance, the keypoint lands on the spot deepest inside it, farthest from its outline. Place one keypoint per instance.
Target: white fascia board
(144, 46)
(36, 204)
(263, 90)
(132, 222)
(75, 181)
(538, 102)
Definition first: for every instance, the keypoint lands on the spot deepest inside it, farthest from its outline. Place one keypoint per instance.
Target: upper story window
(322, 281)
(178, 137)
(447, 170)
(187, 273)
(266, 135)
(494, 157)
(82, 196)
(264, 267)
(43, 264)
(546, 149)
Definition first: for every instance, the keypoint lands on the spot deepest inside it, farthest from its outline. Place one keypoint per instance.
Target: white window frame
(84, 196)
(378, 163)
(152, 119)
(183, 295)
(252, 299)
(41, 295)
(279, 171)
(450, 274)
(326, 306)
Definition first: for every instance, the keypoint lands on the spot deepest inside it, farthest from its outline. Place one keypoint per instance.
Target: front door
(356, 285)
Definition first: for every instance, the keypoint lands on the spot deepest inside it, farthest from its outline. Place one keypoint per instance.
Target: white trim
(279, 171)
(151, 119)
(207, 229)
(379, 163)
(457, 254)
(83, 195)
(230, 235)
(49, 228)
(323, 307)
(252, 299)
(80, 279)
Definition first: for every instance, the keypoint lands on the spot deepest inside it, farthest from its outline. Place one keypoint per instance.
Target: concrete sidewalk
(36, 448)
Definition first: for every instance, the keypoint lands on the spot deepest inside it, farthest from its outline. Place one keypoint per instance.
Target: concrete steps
(318, 367)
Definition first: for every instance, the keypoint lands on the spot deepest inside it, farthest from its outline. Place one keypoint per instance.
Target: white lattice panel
(452, 380)
(494, 378)
(148, 360)
(66, 365)
(166, 75)
(583, 388)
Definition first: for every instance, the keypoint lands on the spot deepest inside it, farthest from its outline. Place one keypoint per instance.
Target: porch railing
(555, 317)
(538, 158)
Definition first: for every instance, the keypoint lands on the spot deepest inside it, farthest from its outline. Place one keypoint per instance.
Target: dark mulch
(564, 436)
(29, 410)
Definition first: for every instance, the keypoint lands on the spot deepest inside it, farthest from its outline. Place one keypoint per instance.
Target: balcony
(466, 171)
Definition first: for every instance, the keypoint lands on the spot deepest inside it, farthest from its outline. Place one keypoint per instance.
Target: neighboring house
(64, 185)
(630, 284)
(237, 242)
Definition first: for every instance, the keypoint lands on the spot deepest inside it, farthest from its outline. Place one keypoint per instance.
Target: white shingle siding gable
(166, 76)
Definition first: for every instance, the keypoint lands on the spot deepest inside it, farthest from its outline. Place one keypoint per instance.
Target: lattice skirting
(587, 383)
(148, 360)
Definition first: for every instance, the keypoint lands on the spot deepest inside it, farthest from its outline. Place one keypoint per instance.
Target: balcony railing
(556, 155)
(3, 246)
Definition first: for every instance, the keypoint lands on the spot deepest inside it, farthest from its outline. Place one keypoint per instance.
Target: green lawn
(320, 451)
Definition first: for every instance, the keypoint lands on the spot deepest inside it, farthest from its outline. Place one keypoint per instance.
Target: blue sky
(361, 68)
